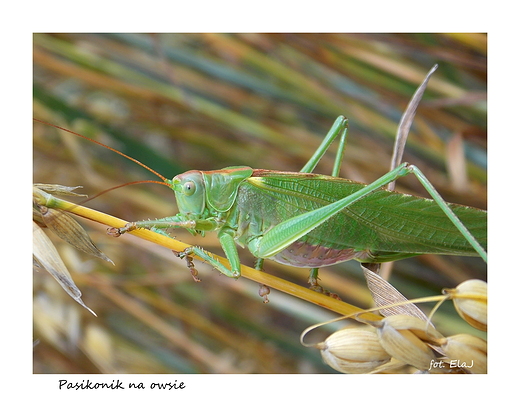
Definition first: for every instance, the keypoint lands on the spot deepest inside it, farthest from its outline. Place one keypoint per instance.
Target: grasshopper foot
(116, 232)
(315, 286)
(189, 262)
(264, 291)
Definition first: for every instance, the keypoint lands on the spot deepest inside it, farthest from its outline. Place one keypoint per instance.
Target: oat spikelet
(470, 300)
(354, 350)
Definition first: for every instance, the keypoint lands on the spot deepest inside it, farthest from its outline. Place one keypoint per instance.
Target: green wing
(388, 224)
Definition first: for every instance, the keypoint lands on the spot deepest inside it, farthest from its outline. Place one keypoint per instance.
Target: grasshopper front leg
(164, 223)
(194, 227)
(230, 250)
(233, 271)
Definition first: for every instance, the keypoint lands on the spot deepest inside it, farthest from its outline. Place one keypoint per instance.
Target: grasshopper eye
(188, 188)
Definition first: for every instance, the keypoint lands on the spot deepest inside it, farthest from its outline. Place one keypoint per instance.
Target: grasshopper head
(200, 193)
(189, 191)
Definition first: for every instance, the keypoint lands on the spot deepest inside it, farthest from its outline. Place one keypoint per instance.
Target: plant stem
(173, 244)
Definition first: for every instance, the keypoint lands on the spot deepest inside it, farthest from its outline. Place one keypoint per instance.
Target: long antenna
(166, 181)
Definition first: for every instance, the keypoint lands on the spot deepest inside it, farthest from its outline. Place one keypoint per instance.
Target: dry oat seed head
(59, 189)
(60, 222)
(467, 352)
(354, 350)
(403, 336)
(470, 300)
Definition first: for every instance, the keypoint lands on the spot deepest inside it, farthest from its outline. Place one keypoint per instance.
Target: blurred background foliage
(205, 101)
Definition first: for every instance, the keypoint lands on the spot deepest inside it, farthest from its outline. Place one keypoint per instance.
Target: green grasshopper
(309, 220)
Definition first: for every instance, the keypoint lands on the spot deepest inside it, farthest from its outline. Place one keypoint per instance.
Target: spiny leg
(157, 227)
(339, 128)
(206, 257)
(412, 169)
(313, 280)
(193, 226)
